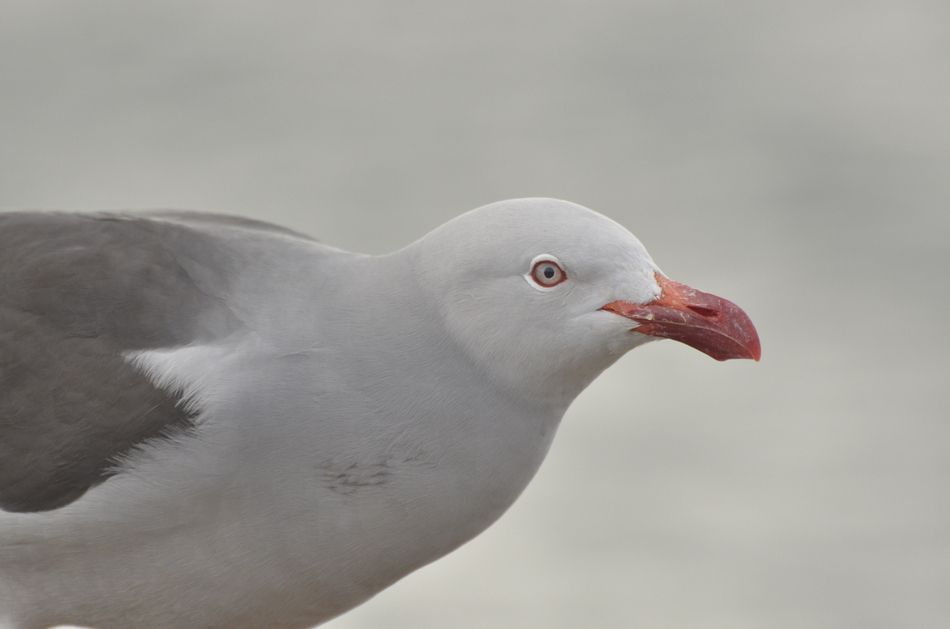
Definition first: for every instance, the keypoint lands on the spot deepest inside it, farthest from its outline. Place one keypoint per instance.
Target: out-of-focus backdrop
(791, 155)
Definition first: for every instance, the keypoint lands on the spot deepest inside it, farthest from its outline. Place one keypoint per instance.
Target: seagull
(214, 422)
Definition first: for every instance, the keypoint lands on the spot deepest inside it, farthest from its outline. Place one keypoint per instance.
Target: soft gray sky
(793, 156)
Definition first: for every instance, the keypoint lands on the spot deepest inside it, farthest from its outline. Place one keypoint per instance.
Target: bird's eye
(547, 273)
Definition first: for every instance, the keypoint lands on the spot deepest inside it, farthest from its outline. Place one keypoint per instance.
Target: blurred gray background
(793, 156)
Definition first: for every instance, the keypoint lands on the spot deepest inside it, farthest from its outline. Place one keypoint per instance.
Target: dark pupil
(549, 272)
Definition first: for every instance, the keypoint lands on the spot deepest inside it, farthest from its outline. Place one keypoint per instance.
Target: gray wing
(76, 291)
(226, 220)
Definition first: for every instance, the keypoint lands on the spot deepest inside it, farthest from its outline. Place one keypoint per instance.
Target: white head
(542, 294)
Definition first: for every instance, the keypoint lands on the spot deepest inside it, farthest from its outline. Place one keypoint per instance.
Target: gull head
(544, 294)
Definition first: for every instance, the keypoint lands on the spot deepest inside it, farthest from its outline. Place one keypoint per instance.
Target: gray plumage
(76, 292)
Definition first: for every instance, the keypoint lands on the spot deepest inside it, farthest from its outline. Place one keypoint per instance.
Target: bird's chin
(627, 339)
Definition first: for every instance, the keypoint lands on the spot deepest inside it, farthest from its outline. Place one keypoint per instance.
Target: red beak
(711, 324)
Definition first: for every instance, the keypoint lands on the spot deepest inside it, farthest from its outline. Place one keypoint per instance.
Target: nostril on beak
(709, 313)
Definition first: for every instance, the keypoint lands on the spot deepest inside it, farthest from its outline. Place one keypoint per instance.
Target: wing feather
(76, 292)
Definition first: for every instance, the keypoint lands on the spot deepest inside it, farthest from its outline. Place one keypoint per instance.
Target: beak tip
(754, 348)
(753, 353)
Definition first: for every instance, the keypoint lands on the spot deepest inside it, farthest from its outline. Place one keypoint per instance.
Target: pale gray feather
(76, 291)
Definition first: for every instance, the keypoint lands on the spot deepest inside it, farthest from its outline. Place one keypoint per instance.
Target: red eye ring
(548, 273)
